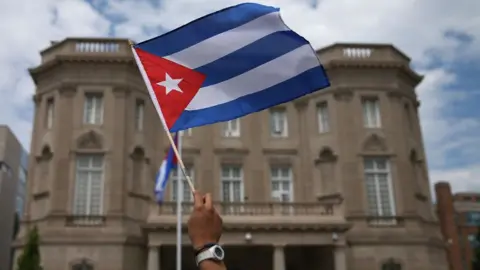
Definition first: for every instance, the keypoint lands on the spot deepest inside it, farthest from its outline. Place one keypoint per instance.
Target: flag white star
(170, 84)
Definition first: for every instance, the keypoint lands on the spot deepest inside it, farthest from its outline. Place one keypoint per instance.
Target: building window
(188, 132)
(186, 193)
(5, 168)
(83, 265)
(473, 218)
(278, 122)
(232, 184)
(93, 111)
(50, 113)
(88, 197)
(22, 175)
(371, 113)
(472, 238)
(323, 117)
(231, 128)
(379, 187)
(281, 180)
(139, 114)
(391, 264)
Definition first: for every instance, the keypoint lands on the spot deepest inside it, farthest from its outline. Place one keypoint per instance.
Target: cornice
(231, 151)
(334, 64)
(343, 94)
(60, 59)
(68, 89)
(267, 227)
(279, 151)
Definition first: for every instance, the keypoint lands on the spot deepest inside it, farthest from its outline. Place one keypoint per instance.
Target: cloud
(434, 33)
(26, 28)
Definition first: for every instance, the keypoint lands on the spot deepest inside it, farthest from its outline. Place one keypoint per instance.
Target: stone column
(278, 258)
(153, 258)
(340, 258)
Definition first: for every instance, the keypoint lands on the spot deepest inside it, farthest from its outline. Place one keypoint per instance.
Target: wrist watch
(210, 252)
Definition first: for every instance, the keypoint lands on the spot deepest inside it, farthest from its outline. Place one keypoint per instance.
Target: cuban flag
(228, 64)
(169, 163)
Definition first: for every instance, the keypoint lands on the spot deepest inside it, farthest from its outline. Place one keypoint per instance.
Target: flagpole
(159, 112)
(179, 203)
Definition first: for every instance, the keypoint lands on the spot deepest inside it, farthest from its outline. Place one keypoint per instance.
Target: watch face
(218, 252)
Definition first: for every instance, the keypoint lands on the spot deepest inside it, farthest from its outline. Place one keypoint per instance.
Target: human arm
(204, 228)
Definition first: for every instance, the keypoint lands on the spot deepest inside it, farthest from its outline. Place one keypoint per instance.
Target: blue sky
(442, 38)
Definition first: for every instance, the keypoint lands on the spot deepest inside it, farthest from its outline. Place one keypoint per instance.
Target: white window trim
(231, 179)
(391, 194)
(366, 106)
(89, 119)
(278, 132)
(50, 112)
(139, 115)
(280, 180)
(185, 185)
(89, 190)
(187, 132)
(229, 131)
(323, 117)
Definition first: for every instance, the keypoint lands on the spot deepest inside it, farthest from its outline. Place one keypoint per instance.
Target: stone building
(335, 180)
(459, 216)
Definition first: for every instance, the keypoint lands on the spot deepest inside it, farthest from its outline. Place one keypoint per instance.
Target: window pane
(378, 187)
(88, 198)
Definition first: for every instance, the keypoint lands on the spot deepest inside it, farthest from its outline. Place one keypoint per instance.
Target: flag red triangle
(161, 72)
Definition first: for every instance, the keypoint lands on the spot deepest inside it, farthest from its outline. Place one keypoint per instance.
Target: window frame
(323, 117)
(230, 129)
(50, 113)
(139, 114)
(376, 172)
(91, 118)
(371, 117)
(89, 169)
(186, 188)
(232, 179)
(280, 180)
(276, 123)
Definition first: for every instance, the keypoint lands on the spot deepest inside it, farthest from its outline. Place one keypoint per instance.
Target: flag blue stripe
(251, 56)
(204, 28)
(303, 84)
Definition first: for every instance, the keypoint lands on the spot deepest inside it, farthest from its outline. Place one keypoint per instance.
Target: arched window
(391, 264)
(83, 264)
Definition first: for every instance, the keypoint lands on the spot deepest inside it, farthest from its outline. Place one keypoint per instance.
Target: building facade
(12, 190)
(334, 180)
(459, 215)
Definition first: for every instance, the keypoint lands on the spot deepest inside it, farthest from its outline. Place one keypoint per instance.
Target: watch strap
(204, 247)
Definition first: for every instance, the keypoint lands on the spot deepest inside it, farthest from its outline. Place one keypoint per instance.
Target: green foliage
(476, 252)
(30, 258)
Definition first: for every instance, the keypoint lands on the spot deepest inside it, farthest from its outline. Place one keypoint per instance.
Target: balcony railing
(85, 47)
(255, 209)
(360, 52)
(84, 221)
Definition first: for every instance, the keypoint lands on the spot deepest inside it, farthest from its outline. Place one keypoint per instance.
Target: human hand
(204, 225)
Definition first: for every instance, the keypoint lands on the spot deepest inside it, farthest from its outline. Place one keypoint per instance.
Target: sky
(441, 36)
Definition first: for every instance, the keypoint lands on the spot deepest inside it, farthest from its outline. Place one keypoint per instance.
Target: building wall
(323, 164)
(459, 216)
(10, 155)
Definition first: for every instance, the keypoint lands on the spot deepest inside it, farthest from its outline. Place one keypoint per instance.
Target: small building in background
(13, 177)
(459, 216)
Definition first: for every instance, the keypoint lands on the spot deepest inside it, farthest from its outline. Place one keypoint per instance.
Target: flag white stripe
(161, 176)
(227, 42)
(262, 77)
